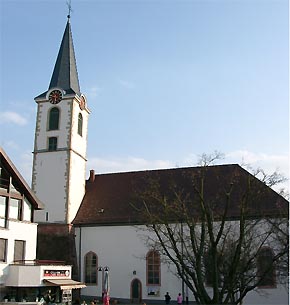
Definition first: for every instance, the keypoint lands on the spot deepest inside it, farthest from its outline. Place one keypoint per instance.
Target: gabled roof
(6, 163)
(65, 74)
(109, 197)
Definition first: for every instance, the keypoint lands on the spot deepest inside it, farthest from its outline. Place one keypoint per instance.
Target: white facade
(38, 274)
(58, 177)
(24, 231)
(22, 276)
(123, 250)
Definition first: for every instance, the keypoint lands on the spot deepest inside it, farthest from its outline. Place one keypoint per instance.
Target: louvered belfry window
(53, 121)
(80, 124)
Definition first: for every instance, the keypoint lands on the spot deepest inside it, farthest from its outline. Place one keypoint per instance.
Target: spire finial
(65, 74)
(68, 3)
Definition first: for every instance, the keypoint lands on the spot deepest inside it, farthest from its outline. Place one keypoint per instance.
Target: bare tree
(215, 227)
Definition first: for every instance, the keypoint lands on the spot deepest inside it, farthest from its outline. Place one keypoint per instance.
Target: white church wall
(270, 296)
(122, 249)
(42, 124)
(50, 185)
(79, 142)
(77, 169)
(76, 184)
(276, 296)
(62, 193)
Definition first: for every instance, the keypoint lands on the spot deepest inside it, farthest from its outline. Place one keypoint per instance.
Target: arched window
(53, 122)
(80, 124)
(91, 265)
(265, 267)
(209, 267)
(153, 268)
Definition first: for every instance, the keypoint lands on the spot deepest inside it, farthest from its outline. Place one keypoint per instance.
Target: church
(98, 225)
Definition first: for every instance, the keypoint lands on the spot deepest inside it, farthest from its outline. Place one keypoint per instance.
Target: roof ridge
(165, 169)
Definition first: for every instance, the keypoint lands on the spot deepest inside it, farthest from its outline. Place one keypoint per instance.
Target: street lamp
(182, 283)
(104, 270)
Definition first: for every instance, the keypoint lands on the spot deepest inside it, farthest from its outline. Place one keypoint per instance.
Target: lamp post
(102, 270)
(105, 276)
(182, 250)
(183, 286)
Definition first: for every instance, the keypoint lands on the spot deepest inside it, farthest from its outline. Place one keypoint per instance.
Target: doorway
(136, 291)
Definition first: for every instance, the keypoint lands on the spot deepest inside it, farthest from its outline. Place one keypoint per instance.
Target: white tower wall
(58, 177)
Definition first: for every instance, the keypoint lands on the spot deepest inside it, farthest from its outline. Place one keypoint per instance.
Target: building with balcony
(22, 276)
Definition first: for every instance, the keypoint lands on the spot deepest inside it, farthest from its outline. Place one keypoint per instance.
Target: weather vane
(68, 3)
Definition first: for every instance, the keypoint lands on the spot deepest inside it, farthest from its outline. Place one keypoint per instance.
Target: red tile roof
(109, 197)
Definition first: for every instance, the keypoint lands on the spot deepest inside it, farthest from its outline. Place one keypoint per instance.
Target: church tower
(60, 145)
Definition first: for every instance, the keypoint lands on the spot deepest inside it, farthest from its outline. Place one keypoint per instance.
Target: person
(167, 298)
(48, 298)
(179, 299)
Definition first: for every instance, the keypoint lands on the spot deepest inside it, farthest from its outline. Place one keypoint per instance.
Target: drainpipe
(80, 254)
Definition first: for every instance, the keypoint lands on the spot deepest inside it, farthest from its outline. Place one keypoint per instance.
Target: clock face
(55, 96)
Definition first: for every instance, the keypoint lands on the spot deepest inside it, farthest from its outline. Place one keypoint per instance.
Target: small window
(19, 250)
(265, 267)
(3, 249)
(14, 188)
(52, 143)
(27, 210)
(15, 208)
(91, 264)
(153, 268)
(3, 211)
(4, 178)
(53, 122)
(80, 124)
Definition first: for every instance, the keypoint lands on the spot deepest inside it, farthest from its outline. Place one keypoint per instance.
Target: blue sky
(166, 80)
